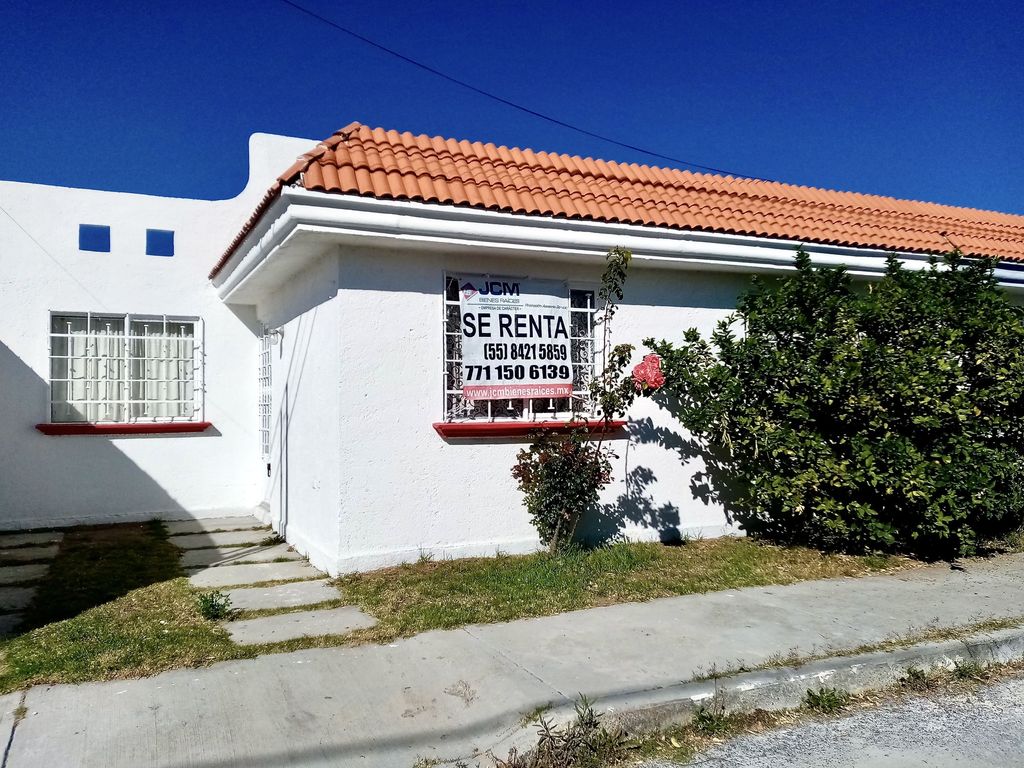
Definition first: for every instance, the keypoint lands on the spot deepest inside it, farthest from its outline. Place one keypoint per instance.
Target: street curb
(785, 687)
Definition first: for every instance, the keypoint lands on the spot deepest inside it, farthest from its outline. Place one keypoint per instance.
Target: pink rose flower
(647, 375)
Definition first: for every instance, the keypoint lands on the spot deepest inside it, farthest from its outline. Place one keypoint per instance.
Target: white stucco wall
(303, 489)
(402, 490)
(47, 480)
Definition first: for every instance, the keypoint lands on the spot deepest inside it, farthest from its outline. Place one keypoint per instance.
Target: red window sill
(519, 428)
(163, 428)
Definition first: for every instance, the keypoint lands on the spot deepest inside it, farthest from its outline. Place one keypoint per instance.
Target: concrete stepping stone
(222, 539)
(12, 574)
(288, 626)
(241, 523)
(9, 622)
(201, 558)
(293, 595)
(47, 552)
(235, 575)
(13, 598)
(21, 539)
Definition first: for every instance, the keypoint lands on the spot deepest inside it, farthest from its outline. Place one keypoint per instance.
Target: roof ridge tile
(361, 160)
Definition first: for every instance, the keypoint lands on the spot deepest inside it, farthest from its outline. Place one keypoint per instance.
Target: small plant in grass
(711, 720)
(583, 743)
(271, 541)
(916, 680)
(969, 669)
(425, 556)
(826, 700)
(561, 475)
(214, 606)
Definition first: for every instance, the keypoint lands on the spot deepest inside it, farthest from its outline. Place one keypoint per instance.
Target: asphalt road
(984, 729)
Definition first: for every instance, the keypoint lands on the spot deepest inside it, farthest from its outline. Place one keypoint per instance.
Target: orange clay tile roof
(373, 162)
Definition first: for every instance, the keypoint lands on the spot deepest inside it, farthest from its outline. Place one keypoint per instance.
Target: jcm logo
(490, 288)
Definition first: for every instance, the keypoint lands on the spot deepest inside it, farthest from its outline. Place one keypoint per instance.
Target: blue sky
(917, 100)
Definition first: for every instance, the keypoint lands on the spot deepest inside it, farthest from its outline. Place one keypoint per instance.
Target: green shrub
(881, 418)
(969, 669)
(711, 720)
(561, 474)
(583, 743)
(826, 700)
(916, 679)
(213, 606)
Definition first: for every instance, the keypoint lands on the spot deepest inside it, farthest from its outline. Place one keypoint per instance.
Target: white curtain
(98, 374)
(163, 369)
(87, 368)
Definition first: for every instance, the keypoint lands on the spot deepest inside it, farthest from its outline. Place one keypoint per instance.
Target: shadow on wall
(636, 505)
(58, 481)
(713, 485)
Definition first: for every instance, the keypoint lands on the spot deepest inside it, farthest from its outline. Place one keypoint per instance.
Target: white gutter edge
(370, 221)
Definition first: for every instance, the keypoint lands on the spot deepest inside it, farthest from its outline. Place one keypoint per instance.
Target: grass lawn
(115, 602)
(97, 564)
(428, 595)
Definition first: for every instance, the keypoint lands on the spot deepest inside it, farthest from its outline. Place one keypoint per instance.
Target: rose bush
(561, 474)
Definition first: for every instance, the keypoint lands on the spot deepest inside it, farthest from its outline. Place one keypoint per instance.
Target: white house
(298, 350)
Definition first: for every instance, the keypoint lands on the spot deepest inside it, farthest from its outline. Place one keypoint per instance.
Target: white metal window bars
(582, 312)
(125, 368)
(265, 393)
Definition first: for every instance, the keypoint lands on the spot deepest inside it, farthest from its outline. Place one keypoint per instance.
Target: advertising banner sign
(515, 338)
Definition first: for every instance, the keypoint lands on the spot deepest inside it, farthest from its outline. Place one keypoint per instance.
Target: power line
(507, 102)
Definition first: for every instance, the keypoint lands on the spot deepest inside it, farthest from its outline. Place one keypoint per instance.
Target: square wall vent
(94, 237)
(159, 242)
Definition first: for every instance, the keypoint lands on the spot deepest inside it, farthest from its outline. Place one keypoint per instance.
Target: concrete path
(24, 559)
(211, 524)
(237, 575)
(205, 558)
(211, 555)
(288, 626)
(21, 539)
(29, 553)
(222, 539)
(443, 694)
(292, 595)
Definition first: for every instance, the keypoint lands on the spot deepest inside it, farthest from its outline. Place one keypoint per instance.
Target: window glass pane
(460, 408)
(582, 351)
(581, 299)
(105, 325)
(453, 318)
(508, 409)
(58, 368)
(67, 412)
(453, 374)
(453, 347)
(451, 289)
(69, 324)
(581, 324)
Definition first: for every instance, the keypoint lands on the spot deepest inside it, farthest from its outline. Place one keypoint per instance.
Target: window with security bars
(125, 368)
(582, 312)
(265, 395)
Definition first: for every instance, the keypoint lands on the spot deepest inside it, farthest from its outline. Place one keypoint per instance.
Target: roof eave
(304, 224)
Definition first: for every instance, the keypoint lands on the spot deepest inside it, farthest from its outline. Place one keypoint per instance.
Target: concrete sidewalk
(445, 694)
